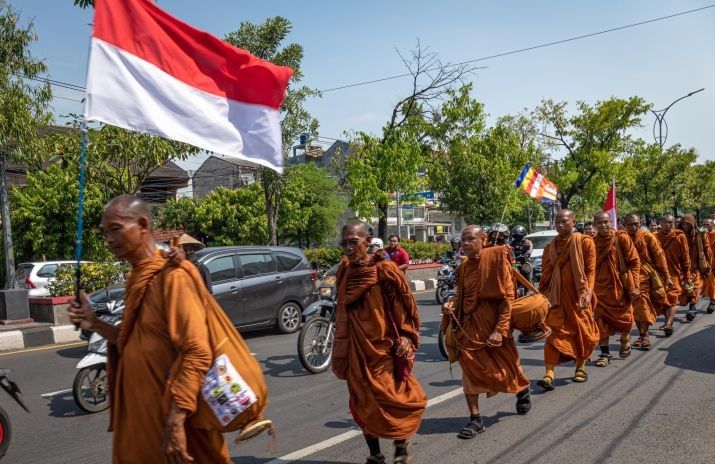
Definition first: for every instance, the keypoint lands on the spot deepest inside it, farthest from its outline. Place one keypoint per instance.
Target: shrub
(324, 258)
(94, 276)
(424, 251)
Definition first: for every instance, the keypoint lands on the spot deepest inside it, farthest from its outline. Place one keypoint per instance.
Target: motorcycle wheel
(91, 388)
(439, 294)
(441, 345)
(315, 345)
(5, 432)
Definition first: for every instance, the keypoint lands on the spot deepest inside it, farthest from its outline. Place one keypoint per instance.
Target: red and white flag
(152, 73)
(610, 206)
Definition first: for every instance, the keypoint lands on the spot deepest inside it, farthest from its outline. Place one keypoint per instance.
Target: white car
(539, 240)
(35, 276)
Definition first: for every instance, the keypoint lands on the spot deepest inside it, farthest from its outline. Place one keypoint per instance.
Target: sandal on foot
(376, 459)
(603, 360)
(625, 348)
(580, 376)
(638, 343)
(667, 330)
(711, 308)
(645, 346)
(471, 430)
(523, 402)
(547, 383)
(403, 453)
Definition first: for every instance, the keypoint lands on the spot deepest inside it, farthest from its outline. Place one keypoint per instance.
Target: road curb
(422, 285)
(37, 336)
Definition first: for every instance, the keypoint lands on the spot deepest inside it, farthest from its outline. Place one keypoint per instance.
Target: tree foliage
(180, 215)
(233, 216)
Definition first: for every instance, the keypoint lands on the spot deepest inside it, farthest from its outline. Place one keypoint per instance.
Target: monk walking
(617, 285)
(482, 331)
(675, 246)
(569, 272)
(376, 337)
(160, 355)
(700, 263)
(654, 279)
(709, 289)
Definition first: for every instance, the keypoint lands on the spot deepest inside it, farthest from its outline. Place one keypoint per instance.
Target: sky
(346, 42)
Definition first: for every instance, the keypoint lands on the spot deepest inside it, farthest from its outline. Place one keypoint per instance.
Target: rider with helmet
(499, 235)
(522, 248)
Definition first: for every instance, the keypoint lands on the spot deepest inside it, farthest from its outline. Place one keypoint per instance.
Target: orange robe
(568, 276)
(699, 278)
(709, 289)
(614, 311)
(381, 405)
(675, 247)
(163, 337)
(652, 258)
(485, 291)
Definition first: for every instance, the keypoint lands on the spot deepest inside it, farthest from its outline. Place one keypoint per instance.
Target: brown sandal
(645, 345)
(625, 348)
(638, 343)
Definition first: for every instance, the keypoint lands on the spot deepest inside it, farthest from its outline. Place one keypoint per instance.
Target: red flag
(610, 206)
(153, 73)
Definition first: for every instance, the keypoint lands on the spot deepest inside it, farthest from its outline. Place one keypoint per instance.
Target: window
(48, 270)
(287, 261)
(221, 268)
(257, 264)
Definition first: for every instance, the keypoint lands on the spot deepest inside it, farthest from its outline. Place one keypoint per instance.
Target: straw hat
(186, 239)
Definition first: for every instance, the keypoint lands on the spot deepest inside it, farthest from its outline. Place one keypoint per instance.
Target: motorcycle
(315, 341)
(446, 280)
(440, 338)
(90, 388)
(13, 390)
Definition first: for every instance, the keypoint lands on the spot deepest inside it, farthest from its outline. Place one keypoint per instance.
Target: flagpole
(80, 206)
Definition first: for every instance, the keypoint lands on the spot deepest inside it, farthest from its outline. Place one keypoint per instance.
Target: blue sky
(353, 41)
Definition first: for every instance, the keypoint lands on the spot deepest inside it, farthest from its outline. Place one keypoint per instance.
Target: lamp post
(660, 120)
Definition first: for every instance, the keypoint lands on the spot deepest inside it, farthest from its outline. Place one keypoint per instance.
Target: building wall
(215, 173)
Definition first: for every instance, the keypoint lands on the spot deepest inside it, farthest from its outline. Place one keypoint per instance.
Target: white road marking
(336, 440)
(61, 392)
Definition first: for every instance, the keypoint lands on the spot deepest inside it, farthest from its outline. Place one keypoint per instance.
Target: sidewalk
(18, 337)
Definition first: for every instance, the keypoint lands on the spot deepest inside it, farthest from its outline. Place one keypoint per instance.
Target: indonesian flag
(610, 206)
(152, 73)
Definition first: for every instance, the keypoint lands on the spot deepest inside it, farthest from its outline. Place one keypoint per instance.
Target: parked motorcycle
(91, 384)
(13, 390)
(315, 341)
(446, 280)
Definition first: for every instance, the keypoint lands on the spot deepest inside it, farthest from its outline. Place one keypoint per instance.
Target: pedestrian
(617, 286)
(376, 337)
(481, 315)
(709, 289)
(653, 226)
(700, 259)
(567, 279)
(654, 279)
(189, 245)
(589, 229)
(159, 355)
(675, 246)
(397, 254)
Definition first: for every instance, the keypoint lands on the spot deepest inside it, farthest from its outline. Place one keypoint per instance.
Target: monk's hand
(635, 294)
(670, 284)
(174, 255)
(494, 340)
(403, 348)
(175, 437)
(81, 313)
(448, 308)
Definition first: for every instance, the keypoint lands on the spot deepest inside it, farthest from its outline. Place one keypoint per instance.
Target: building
(334, 156)
(226, 172)
(163, 183)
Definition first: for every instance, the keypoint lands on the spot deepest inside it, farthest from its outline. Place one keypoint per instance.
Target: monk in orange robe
(654, 279)
(567, 279)
(709, 289)
(160, 354)
(482, 331)
(376, 337)
(700, 270)
(617, 285)
(675, 246)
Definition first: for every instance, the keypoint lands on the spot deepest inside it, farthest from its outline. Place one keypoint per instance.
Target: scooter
(315, 341)
(90, 388)
(5, 426)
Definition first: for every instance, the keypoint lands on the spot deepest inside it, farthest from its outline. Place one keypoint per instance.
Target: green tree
(266, 42)
(591, 142)
(233, 216)
(697, 193)
(180, 214)
(44, 215)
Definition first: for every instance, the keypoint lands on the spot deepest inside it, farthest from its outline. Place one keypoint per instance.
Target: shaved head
(632, 217)
(565, 213)
(565, 222)
(473, 229)
(126, 225)
(472, 240)
(668, 217)
(601, 215)
(357, 226)
(355, 240)
(633, 224)
(129, 207)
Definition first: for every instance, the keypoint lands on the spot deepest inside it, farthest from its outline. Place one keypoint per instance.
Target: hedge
(323, 258)
(95, 276)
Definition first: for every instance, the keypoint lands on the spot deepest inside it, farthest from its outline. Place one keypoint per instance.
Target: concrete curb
(422, 285)
(38, 336)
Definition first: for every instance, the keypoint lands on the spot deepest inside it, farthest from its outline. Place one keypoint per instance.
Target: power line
(80, 88)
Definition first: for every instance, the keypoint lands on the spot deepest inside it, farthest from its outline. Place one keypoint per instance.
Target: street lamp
(660, 120)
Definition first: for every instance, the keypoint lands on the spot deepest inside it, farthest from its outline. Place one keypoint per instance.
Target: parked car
(258, 287)
(539, 240)
(35, 276)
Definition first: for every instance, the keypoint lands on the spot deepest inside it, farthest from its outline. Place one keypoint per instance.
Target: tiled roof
(163, 236)
(169, 170)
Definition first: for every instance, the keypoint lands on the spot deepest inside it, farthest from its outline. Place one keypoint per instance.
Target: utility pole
(660, 123)
(10, 280)
(399, 215)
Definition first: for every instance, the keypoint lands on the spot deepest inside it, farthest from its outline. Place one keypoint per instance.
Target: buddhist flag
(152, 73)
(610, 206)
(536, 185)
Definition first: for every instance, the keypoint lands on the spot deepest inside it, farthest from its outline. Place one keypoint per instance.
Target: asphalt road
(654, 407)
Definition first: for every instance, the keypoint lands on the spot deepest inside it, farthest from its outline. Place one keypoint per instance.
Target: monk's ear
(143, 222)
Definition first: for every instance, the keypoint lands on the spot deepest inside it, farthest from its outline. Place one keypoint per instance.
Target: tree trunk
(382, 222)
(10, 280)
(271, 213)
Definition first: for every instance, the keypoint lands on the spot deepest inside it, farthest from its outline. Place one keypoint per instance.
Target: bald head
(708, 224)
(667, 223)
(565, 222)
(602, 223)
(633, 224)
(472, 240)
(126, 224)
(357, 226)
(129, 207)
(601, 216)
(355, 239)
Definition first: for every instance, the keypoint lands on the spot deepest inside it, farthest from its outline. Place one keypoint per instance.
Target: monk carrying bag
(528, 313)
(703, 264)
(626, 282)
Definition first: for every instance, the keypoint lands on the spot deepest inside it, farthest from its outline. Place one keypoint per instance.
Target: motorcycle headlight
(326, 292)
